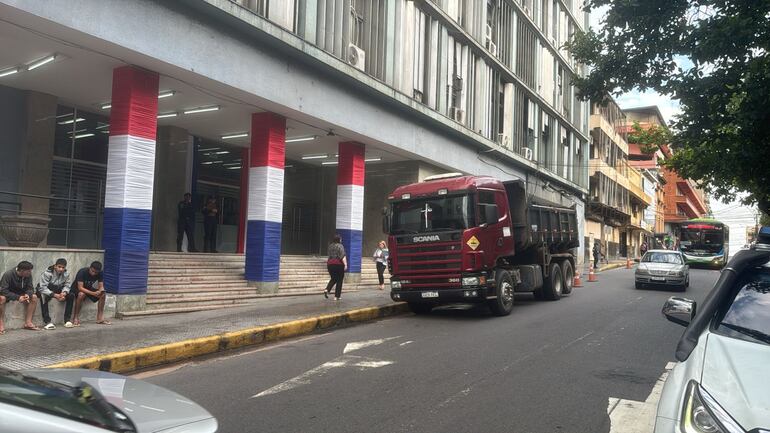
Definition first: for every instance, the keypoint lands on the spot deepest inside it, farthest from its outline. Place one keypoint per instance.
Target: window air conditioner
(457, 114)
(527, 152)
(488, 33)
(504, 140)
(356, 57)
(492, 48)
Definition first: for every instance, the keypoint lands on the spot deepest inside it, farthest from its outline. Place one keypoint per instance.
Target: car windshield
(747, 316)
(432, 214)
(660, 257)
(77, 403)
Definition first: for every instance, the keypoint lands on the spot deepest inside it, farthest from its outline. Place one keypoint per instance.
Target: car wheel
(687, 282)
(569, 277)
(553, 284)
(502, 305)
(420, 308)
(638, 286)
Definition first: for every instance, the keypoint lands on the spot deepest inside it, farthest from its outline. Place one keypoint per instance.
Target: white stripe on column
(130, 173)
(350, 207)
(265, 194)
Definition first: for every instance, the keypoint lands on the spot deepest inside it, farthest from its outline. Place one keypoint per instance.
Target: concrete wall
(13, 127)
(41, 258)
(172, 156)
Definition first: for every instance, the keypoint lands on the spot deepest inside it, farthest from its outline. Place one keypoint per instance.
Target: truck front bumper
(443, 296)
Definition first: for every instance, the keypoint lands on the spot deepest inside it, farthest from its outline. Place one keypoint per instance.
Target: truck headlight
(702, 414)
(470, 281)
(395, 284)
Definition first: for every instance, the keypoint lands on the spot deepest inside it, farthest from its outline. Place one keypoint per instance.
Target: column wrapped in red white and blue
(130, 175)
(350, 201)
(265, 207)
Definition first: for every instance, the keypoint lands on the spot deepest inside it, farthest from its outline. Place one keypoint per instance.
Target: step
(181, 291)
(195, 279)
(199, 287)
(154, 298)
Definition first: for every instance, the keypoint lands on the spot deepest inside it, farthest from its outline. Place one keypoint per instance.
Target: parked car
(722, 382)
(662, 268)
(86, 401)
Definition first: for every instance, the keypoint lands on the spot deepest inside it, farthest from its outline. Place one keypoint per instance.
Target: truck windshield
(432, 214)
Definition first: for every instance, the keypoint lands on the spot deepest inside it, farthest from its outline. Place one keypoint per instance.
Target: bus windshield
(708, 239)
(432, 214)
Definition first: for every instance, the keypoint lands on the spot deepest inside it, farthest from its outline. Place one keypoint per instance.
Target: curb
(611, 266)
(153, 356)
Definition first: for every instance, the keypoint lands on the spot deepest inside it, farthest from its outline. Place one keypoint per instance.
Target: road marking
(362, 344)
(361, 362)
(629, 416)
(406, 342)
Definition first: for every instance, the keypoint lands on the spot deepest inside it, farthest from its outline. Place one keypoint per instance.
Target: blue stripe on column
(263, 251)
(351, 240)
(126, 244)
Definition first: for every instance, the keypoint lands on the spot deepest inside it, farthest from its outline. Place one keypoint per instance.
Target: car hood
(150, 407)
(735, 373)
(652, 266)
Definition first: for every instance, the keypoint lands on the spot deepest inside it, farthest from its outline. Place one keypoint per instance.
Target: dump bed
(536, 222)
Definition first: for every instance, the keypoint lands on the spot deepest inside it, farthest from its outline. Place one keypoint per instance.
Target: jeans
(68, 303)
(209, 237)
(381, 272)
(185, 228)
(337, 274)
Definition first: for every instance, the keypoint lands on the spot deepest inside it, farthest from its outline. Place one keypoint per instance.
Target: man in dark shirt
(16, 285)
(185, 224)
(89, 283)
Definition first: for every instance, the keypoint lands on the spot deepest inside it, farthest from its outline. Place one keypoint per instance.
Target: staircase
(182, 282)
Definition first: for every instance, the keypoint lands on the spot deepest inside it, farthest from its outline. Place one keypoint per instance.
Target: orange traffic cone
(591, 275)
(628, 263)
(577, 282)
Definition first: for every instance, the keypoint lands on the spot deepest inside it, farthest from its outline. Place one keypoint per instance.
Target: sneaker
(49, 326)
(69, 325)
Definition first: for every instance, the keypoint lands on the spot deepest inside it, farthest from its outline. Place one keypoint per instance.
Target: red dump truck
(476, 239)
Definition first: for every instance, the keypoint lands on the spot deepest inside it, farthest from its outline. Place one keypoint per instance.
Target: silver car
(722, 382)
(86, 401)
(663, 268)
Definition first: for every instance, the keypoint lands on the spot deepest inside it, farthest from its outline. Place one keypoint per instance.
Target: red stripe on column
(244, 207)
(134, 102)
(268, 140)
(350, 170)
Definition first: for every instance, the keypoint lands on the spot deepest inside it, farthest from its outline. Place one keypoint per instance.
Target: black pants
(209, 237)
(68, 303)
(337, 274)
(596, 260)
(381, 272)
(185, 228)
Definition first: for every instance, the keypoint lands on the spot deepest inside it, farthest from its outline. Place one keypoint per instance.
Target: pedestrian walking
(16, 285)
(185, 224)
(336, 264)
(597, 254)
(210, 222)
(89, 283)
(381, 259)
(55, 284)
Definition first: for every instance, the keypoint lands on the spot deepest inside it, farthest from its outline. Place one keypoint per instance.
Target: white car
(722, 382)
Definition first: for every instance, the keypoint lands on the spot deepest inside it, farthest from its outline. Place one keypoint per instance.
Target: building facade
(617, 199)
(298, 116)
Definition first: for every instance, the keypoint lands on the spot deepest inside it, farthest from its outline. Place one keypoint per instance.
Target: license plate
(658, 279)
(430, 294)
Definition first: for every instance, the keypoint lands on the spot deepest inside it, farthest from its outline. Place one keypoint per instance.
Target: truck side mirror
(679, 310)
(386, 220)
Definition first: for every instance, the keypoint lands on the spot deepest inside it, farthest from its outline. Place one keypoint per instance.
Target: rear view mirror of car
(679, 310)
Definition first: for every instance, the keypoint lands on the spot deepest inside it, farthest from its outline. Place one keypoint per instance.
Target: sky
(737, 216)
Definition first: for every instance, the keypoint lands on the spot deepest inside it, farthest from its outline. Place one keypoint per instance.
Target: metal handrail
(43, 197)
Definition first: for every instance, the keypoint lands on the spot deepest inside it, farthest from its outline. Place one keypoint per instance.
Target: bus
(705, 242)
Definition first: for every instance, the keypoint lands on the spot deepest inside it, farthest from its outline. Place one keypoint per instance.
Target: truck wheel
(503, 302)
(553, 286)
(420, 308)
(569, 277)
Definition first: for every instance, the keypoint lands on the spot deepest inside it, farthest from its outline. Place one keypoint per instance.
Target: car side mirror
(679, 310)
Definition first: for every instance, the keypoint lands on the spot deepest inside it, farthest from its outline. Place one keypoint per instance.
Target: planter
(26, 231)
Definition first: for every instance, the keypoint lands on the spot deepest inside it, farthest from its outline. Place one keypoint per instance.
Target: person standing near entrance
(381, 259)
(210, 222)
(55, 284)
(185, 224)
(336, 264)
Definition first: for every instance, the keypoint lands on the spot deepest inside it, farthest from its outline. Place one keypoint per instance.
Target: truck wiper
(404, 232)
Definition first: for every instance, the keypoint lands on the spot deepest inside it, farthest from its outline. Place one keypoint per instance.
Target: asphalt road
(548, 367)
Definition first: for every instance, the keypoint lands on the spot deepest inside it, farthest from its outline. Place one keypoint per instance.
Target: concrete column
(265, 207)
(350, 204)
(129, 189)
(37, 152)
(173, 155)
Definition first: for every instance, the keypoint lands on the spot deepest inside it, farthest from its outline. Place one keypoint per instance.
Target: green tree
(649, 139)
(711, 56)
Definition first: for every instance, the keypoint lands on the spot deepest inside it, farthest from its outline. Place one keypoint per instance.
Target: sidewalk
(20, 349)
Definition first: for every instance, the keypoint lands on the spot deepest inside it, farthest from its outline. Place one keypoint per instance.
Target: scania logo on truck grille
(426, 238)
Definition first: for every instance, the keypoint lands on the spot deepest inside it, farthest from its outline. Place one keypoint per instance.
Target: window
(486, 200)
(357, 22)
(747, 316)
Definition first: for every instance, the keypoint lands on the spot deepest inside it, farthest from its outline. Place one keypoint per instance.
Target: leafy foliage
(649, 139)
(712, 56)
